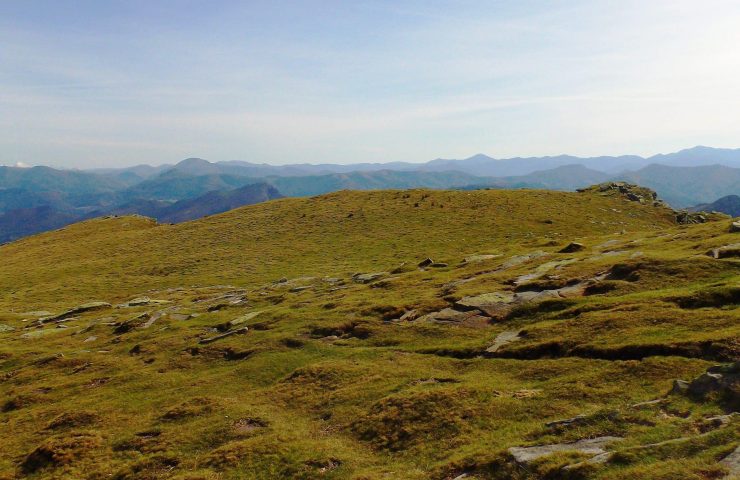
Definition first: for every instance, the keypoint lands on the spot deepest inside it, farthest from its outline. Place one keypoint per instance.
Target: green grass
(323, 385)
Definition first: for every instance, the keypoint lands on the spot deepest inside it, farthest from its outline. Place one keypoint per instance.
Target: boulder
(572, 247)
(680, 386)
(735, 227)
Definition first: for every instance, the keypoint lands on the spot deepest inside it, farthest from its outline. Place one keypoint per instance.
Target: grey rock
(410, 315)
(599, 459)
(735, 227)
(241, 320)
(368, 277)
(590, 446)
(519, 259)
(725, 252)
(425, 263)
(504, 338)
(85, 307)
(577, 420)
(495, 304)
(680, 386)
(650, 403)
(451, 316)
(208, 340)
(438, 265)
(732, 463)
(479, 258)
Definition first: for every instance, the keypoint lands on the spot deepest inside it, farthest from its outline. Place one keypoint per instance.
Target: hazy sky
(104, 83)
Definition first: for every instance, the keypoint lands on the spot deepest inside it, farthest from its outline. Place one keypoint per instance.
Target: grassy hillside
(357, 364)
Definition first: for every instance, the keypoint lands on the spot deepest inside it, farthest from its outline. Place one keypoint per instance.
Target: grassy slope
(383, 400)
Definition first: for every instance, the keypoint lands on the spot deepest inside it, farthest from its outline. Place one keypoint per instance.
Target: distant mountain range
(729, 205)
(42, 198)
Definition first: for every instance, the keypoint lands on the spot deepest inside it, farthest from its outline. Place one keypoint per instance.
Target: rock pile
(631, 192)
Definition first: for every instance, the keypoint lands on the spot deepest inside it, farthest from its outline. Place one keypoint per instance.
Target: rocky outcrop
(684, 217)
(631, 192)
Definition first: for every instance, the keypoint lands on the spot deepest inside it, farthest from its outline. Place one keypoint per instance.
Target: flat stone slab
(479, 258)
(244, 318)
(451, 316)
(503, 338)
(726, 251)
(368, 277)
(491, 304)
(85, 307)
(589, 446)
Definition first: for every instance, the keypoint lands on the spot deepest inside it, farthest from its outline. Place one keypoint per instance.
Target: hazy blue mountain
(217, 202)
(729, 204)
(383, 179)
(131, 175)
(15, 198)
(210, 203)
(687, 186)
(174, 185)
(27, 221)
(47, 179)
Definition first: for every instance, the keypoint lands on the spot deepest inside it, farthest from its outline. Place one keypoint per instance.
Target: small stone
(399, 269)
(425, 263)
(408, 316)
(205, 341)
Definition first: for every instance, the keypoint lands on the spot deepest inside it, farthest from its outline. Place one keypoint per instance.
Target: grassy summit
(357, 364)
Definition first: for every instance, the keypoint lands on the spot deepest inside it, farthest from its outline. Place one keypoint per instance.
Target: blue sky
(112, 83)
